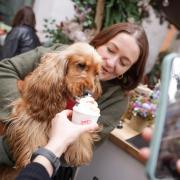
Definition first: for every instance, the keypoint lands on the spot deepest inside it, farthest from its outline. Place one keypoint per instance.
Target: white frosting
(87, 105)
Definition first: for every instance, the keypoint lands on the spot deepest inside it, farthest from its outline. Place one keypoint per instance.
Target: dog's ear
(50, 71)
(57, 61)
(47, 80)
(98, 90)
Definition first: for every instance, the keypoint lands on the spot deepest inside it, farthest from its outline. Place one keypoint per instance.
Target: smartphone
(165, 144)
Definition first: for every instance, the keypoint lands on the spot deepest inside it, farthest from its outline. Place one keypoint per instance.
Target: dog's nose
(87, 93)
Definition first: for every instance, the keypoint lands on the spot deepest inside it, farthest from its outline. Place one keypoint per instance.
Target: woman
(22, 37)
(124, 50)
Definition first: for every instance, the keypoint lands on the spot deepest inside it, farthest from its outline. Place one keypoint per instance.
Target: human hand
(147, 135)
(145, 152)
(64, 132)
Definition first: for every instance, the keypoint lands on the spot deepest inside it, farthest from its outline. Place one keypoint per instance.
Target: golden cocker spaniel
(60, 76)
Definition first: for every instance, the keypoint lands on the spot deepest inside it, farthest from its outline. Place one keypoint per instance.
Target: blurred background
(66, 21)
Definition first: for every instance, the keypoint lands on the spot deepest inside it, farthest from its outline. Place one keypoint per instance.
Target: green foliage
(115, 11)
(121, 11)
(55, 35)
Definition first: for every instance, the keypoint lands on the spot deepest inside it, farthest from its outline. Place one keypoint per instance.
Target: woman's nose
(111, 62)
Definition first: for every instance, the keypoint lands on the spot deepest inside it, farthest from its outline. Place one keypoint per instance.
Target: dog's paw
(81, 151)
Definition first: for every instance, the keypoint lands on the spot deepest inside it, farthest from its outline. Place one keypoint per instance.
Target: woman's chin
(102, 77)
(105, 78)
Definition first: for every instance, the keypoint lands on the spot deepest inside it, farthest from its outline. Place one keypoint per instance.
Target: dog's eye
(81, 66)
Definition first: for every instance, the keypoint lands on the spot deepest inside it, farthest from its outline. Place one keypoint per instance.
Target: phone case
(160, 116)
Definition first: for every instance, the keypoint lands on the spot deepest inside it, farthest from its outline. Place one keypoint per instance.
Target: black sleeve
(10, 47)
(33, 171)
(28, 41)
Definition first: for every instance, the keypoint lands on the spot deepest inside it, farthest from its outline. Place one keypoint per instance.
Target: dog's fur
(60, 76)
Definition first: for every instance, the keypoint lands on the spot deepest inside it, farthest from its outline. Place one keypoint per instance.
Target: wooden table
(120, 136)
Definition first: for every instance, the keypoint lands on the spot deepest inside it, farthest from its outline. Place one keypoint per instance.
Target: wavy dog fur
(60, 76)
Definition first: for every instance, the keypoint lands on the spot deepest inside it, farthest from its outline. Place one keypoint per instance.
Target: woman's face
(118, 55)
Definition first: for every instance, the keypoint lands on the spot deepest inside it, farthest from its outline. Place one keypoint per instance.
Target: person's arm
(113, 105)
(13, 69)
(63, 133)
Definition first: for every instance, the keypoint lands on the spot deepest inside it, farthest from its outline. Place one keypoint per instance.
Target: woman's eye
(122, 63)
(110, 50)
(81, 66)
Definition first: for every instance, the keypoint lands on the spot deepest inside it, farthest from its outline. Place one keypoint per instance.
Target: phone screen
(169, 151)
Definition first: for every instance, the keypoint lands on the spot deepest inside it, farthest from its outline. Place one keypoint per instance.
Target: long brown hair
(135, 74)
(25, 16)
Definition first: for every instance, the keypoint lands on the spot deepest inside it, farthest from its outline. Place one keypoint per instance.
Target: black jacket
(19, 40)
(33, 171)
(36, 171)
